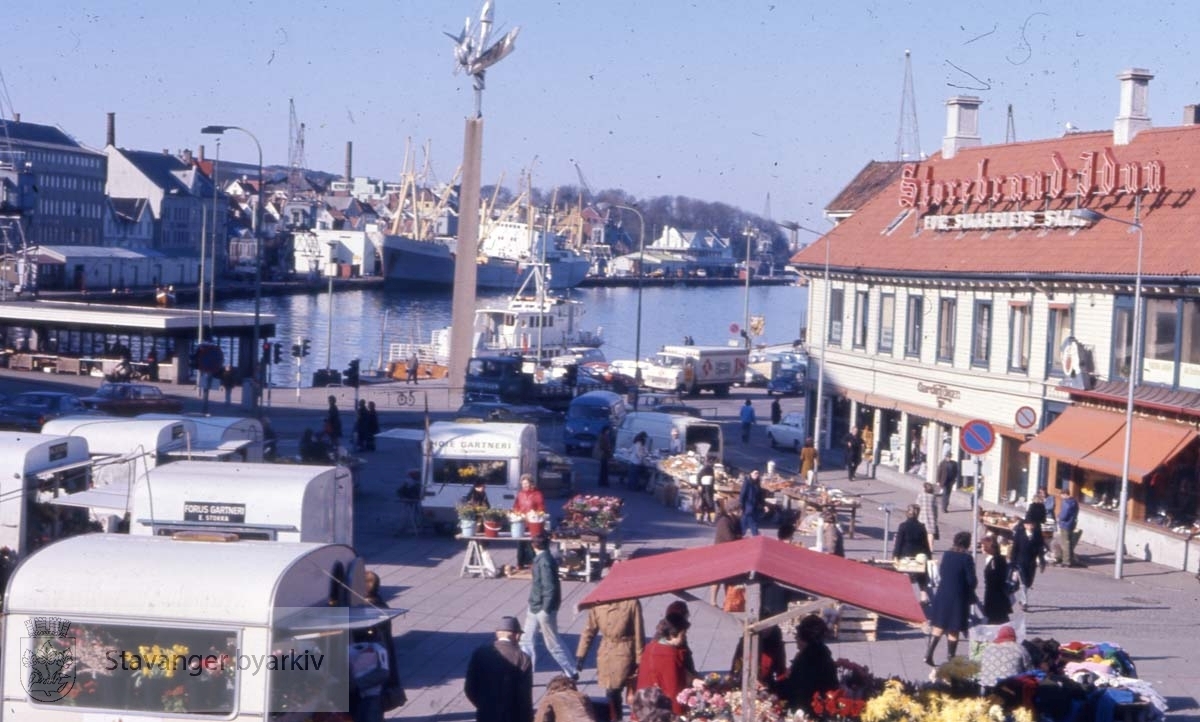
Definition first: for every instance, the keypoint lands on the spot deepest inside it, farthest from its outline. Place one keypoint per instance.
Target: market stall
(588, 538)
(819, 499)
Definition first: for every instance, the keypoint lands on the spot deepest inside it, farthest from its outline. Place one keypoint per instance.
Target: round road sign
(977, 437)
(734, 328)
(1026, 418)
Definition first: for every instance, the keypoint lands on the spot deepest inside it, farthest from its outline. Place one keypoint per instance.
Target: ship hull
(430, 263)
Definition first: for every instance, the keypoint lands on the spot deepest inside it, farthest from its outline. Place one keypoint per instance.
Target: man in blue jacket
(747, 418)
(1068, 517)
(545, 597)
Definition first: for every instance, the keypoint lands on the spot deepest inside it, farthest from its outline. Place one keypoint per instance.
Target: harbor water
(367, 321)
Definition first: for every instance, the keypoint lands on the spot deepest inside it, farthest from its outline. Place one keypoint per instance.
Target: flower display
(537, 517)
(154, 661)
(588, 512)
(469, 512)
(719, 697)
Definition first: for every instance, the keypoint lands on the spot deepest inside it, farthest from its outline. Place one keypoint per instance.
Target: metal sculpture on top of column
(473, 56)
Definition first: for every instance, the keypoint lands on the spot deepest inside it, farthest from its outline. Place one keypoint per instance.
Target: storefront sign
(1098, 174)
(211, 511)
(1007, 219)
(943, 393)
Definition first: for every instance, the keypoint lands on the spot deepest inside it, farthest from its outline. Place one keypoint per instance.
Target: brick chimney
(200, 152)
(1191, 115)
(962, 124)
(110, 130)
(1135, 94)
(187, 156)
(349, 159)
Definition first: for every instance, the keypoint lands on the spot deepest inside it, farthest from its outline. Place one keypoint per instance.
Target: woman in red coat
(528, 499)
(664, 661)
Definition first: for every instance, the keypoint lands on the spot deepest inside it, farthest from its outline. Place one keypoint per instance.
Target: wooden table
(795, 498)
(473, 560)
(595, 547)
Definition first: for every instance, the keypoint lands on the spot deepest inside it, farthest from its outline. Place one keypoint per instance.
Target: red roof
(864, 242)
(825, 575)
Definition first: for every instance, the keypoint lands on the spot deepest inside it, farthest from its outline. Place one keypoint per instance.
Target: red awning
(1152, 443)
(1095, 439)
(1076, 432)
(878, 590)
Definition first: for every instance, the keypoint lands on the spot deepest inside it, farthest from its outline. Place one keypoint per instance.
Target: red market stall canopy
(759, 559)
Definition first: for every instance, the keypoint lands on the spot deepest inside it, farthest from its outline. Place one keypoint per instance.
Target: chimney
(349, 158)
(110, 134)
(962, 124)
(200, 152)
(1132, 118)
(187, 156)
(16, 117)
(1191, 115)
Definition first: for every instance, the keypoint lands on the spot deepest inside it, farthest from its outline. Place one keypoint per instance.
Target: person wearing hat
(1005, 657)
(500, 677)
(545, 597)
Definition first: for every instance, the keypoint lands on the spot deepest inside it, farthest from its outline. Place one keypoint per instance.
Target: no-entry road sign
(977, 437)
(1025, 418)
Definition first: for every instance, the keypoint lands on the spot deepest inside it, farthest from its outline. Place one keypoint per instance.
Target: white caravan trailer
(272, 502)
(221, 438)
(460, 453)
(154, 628)
(35, 471)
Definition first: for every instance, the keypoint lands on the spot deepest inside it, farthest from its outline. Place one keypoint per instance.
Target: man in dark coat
(955, 594)
(912, 538)
(545, 597)
(854, 451)
(947, 478)
(1028, 547)
(500, 678)
(333, 422)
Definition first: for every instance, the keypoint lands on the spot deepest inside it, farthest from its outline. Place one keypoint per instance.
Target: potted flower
(493, 520)
(468, 518)
(536, 521)
(516, 524)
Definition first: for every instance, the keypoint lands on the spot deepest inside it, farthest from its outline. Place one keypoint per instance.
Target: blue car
(790, 384)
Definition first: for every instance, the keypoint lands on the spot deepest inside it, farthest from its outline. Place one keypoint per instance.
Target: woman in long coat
(808, 460)
(622, 635)
(950, 611)
(1028, 548)
(997, 604)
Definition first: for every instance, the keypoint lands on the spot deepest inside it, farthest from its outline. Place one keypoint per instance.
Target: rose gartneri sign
(943, 393)
(1098, 174)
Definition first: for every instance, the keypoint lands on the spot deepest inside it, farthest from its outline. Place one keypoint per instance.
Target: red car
(129, 399)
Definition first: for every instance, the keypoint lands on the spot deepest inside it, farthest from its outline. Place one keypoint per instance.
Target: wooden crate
(857, 625)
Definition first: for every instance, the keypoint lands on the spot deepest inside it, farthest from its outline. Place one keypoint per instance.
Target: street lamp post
(330, 268)
(637, 343)
(821, 359)
(1135, 363)
(258, 256)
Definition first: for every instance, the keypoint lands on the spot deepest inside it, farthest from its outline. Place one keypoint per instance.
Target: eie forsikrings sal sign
(1098, 174)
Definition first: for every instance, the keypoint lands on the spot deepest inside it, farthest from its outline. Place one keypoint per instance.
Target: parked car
(499, 411)
(128, 399)
(28, 411)
(786, 384)
(790, 432)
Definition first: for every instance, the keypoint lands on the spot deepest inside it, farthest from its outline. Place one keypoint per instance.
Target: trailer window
(140, 669)
(315, 679)
(466, 471)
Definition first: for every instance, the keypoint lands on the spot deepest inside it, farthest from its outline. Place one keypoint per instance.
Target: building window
(887, 321)
(861, 302)
(1189, 348)
(1122, 335)
(981, 338)
(912, 329)
(1059, 332)
(836, 314)
(947, 313)
(1161, 340)
(1020, 328)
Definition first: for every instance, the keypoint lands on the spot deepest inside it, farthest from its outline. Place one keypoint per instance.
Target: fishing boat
(533, 322)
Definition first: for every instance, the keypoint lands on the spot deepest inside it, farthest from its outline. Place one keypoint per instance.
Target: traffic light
(278, 352)
(266, 353)
(295, 350)
(351, 374)
(304, 347)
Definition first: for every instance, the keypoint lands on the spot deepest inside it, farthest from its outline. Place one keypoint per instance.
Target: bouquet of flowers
(706, 698)
(536, 517)
(590, 512)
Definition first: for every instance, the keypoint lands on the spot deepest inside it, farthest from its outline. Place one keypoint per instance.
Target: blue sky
(717, 100)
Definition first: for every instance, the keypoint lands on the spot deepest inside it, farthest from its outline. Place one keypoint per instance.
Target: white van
(658, 428)
(221, 438)
(270, 502)
(37, 472)
(155, 628)
(460, 453)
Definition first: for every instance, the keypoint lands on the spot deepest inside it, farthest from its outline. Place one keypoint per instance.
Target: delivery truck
(200, 627)
(692, 369)
(271, 502)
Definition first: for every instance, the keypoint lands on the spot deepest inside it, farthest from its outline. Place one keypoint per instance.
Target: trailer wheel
(722, 390)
